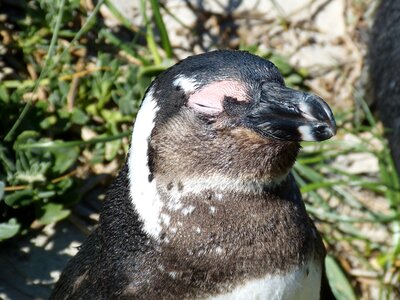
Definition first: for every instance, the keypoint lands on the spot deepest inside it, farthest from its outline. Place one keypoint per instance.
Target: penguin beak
(291, 115)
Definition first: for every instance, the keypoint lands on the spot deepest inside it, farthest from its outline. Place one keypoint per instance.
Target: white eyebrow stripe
(188, 85)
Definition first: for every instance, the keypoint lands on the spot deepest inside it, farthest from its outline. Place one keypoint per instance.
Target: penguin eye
(203, 108)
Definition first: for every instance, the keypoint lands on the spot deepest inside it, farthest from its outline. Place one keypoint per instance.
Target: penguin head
(244, 90)
(219, 120)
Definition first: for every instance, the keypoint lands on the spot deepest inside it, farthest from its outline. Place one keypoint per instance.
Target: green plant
(69, 105)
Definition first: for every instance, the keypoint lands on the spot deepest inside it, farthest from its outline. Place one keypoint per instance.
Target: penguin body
(384, 64)
(205, 206)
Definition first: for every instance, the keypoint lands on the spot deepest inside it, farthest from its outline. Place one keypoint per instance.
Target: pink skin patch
(209, 99)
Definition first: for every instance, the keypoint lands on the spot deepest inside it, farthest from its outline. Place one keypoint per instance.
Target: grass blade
(165, 42)
(341, 286)
(59, 144)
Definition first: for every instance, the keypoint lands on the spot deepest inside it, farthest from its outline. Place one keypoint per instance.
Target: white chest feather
(301, 284)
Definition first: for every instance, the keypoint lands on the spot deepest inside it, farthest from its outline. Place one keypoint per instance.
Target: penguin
(205, 206)
(384, 76)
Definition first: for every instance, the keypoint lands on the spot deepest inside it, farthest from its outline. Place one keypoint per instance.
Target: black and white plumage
(205, 206)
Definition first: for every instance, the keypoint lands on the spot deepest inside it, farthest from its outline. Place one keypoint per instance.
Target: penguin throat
(176, 187)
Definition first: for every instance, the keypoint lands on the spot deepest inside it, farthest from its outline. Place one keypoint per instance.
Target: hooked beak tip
(316, 132)
(321, 122)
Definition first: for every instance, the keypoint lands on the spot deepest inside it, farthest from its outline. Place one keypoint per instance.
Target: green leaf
(48, 122)
(250, 48)
(26, 137)
(64, 158)
(46, 194)
(293, 80)
(91, 109)
(79, 117)
(4, 95)
(282, 64)
(53, 212)
(9, 229)
(111, 149)
(126, 103)
(8, 164)
(19, 198)
(111, 116)
(338, 281)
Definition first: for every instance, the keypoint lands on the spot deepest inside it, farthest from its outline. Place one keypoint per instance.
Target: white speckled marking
(188, 210)
(165, 219)
(144, 193)
(218, 250)
(297, 285)
(172, 274)
(212, 209)
(161, 267)
(174, 202)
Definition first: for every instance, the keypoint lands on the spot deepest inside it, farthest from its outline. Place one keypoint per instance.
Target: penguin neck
(182, 196)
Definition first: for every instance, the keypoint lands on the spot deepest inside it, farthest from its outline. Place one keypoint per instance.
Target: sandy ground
(29, 266)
